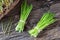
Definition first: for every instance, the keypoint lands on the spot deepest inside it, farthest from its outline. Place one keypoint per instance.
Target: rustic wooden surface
(52, 32)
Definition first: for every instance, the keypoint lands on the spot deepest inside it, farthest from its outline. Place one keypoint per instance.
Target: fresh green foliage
(25, 10)
(47, 19)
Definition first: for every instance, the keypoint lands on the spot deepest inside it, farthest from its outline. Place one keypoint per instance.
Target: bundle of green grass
(25, 10)
(47, 19)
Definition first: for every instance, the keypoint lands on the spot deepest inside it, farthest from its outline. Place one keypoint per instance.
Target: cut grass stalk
(25, 10)
(6, 26)
(47, 19)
